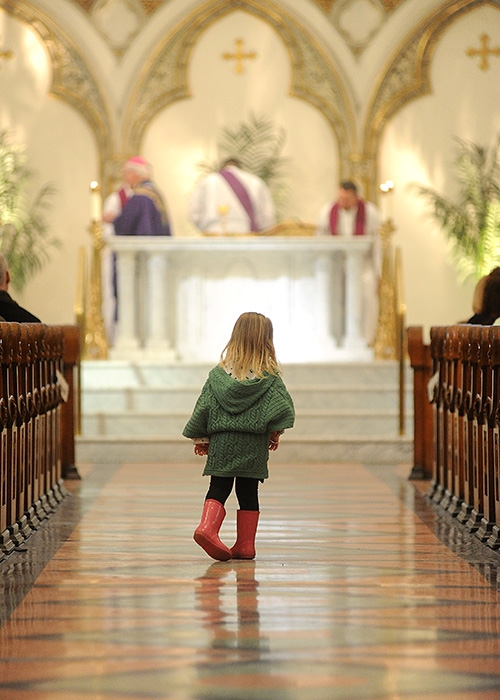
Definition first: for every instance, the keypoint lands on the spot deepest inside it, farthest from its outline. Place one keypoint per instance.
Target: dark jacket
(11, 311)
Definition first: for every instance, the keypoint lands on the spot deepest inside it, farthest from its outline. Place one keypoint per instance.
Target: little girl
(240, 414)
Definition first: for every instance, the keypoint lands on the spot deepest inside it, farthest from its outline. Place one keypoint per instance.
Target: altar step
(345, 412)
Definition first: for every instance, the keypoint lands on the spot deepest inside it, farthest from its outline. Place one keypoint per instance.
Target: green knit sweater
(238, 417)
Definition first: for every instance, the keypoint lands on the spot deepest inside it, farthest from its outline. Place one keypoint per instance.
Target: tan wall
(416, 143)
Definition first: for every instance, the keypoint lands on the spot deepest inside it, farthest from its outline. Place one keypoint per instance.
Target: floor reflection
(227, 596)
(458, 538)
(357, 593)
(21, 568)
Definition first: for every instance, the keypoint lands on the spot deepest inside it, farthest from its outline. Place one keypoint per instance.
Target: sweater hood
(236, 396)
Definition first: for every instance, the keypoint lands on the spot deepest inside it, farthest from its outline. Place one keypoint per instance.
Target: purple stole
(359, 226)
(123, 197)
(242, 194)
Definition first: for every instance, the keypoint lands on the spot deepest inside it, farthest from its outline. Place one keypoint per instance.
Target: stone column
(323, 271)
(157, 342)
(353, 337)
(126, 333)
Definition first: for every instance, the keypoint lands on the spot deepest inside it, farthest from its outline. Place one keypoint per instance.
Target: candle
(387, 189)
(95, 201)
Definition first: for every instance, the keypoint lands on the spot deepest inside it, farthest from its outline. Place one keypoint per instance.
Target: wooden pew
(37, 429)
(463, 424)
(423, 433)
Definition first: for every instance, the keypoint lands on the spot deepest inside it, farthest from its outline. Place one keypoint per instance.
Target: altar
(179, 297)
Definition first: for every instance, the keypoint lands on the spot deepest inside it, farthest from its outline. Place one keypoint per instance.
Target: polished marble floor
(361, 590)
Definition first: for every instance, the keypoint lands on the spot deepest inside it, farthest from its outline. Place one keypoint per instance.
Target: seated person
(486, 300)
(9, 309)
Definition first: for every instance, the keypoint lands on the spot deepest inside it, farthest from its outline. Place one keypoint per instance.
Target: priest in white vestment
(232, 201)
(349, 216)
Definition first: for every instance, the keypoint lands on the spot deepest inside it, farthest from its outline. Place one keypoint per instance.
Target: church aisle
(360, 591)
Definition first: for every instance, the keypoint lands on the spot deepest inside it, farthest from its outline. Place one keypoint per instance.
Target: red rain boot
(207, 532)
(246, 527)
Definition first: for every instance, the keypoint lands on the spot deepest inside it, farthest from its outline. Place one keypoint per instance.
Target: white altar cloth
(178, 298)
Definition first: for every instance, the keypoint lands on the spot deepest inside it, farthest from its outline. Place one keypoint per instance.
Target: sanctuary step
(135, 412)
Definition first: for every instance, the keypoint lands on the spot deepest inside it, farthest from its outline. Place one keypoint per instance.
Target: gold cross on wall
(484, 52)
(239, 56)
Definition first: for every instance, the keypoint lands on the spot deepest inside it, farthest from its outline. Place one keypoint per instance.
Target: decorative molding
(72, 80)
(164, 79)
(148, 6)
(357, 35)
(326, 5)
(5, 54)
(388, 5)
(118, 22)
(408, 74)
(337, 11)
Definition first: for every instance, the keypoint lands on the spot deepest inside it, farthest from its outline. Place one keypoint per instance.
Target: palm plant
(472, 223)
(258, 145)
(24, 236)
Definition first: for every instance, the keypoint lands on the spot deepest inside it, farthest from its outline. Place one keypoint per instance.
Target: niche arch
(72, 79)
(164, 79)
(407, 76)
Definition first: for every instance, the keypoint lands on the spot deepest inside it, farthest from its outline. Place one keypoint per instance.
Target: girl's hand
(274, 440)
(201, 449)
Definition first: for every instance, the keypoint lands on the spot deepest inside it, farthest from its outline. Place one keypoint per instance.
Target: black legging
(247, 491)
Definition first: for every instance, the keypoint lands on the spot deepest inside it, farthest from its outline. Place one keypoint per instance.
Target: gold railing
(390, 339)
(401, 345)
(88, 304)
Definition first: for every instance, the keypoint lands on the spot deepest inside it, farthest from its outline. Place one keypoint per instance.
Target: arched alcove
(73, 81)
(312, 82)
(407, 76)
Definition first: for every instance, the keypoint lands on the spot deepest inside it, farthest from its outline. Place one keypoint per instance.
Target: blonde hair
(250, 349)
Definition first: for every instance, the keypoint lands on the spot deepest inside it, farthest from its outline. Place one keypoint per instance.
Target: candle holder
(223, 211)
(95, 201)
(387, 189)
(95, 342)
(385, 346)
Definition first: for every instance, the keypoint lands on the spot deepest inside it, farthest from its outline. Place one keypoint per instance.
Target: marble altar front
(178, 298)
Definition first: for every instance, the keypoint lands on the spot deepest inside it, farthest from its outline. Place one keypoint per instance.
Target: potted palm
(472, 223)
(24, 234)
